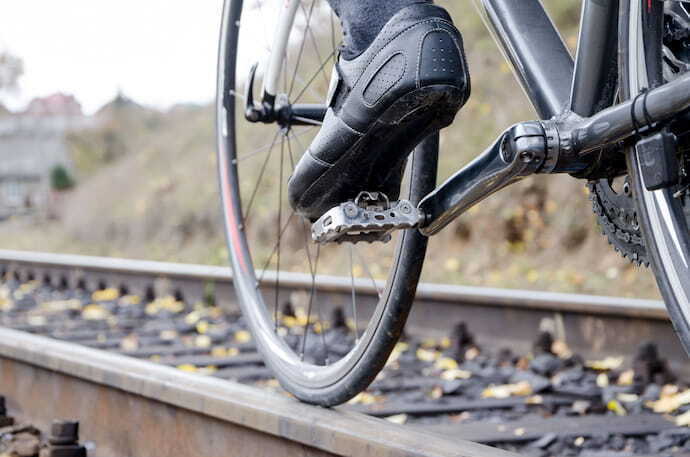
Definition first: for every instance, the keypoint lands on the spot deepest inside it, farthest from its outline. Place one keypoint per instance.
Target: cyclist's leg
(362, 20)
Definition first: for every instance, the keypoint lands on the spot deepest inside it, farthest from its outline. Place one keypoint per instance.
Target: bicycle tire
(661, 216)
(325, 385)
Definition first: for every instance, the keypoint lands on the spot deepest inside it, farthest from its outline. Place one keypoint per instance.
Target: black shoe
(408, 84)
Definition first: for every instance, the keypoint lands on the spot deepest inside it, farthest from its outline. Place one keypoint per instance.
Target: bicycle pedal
(370, 217)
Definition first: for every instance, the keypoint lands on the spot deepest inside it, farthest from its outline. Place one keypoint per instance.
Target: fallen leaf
(626, 378)
(427, 355)
(616, 407)
(446, 363)
(683, 420)
(670, 403)
(397, 418)
(243, 336)
(105, 294)
(94, 312)
(521, 388)
(609, 363)
(455, 373)
(189, 368)
(602, 380)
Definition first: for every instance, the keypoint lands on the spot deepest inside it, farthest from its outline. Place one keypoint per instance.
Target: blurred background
(107, 148)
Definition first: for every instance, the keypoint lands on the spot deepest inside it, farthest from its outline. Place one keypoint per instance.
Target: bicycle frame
(572, 98)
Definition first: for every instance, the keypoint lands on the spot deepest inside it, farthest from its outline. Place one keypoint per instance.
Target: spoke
(279, 234)
(292, 159)
(275, 246)
(354, 301)
(301, 47)
(261, 175)
(311, 301)
(266, 146)
(299, 143)
(323, 64)
(318, 56)
(366, 269)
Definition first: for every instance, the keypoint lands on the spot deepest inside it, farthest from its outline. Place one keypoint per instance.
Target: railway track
(111, 391)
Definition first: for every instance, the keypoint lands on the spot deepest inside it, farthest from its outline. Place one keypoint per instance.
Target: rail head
(551, 301)
(332, 430)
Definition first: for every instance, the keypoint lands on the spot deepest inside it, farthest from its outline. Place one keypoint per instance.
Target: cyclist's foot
(409, 83)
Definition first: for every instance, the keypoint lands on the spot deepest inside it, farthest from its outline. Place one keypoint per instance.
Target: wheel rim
(666, 228)
(246, 217)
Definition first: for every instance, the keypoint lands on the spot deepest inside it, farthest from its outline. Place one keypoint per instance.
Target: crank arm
(563, 144)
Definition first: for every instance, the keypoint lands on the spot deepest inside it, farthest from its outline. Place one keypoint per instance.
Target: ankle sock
(362, 20)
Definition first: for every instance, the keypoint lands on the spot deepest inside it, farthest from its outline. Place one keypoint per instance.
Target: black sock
(362, 20)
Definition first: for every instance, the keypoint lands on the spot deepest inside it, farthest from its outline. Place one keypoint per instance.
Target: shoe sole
(383, 149)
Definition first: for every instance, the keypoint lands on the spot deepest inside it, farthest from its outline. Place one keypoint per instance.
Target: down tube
(531, 43)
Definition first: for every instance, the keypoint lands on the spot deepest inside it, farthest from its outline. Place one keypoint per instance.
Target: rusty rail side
(132, 407)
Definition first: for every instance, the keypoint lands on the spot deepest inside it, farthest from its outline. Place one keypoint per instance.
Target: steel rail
(553, 301)
(132, 407)
(591, 325)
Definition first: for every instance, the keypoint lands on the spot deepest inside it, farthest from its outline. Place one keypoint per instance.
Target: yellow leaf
(616, 407)
(670, 403)
(94, 312)
(519, 431)
(445, 342)
(609, 363)
(427, 355)
(535, 400)
(446, 363)
(105, 294)
(455, 373)
(683, 420)
(187, 367)
(130, 300)
(579, 441)
(202, 341)
(522, 388)
(202, 327)
(243, 336)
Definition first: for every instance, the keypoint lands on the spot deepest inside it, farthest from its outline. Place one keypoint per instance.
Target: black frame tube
(596, 67)
(531, 43)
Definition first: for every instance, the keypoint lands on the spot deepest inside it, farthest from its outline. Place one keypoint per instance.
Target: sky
(158, 52)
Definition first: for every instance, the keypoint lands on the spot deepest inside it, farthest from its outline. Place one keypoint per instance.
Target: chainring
(617, 217)
(615, 207)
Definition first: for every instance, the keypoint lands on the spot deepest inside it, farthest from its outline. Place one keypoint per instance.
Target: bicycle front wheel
(650, 57)
(320, 351)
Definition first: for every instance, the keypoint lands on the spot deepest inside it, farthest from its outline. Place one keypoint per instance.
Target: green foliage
(60, 178)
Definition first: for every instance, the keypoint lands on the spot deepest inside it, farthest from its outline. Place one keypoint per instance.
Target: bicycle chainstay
(370, 217)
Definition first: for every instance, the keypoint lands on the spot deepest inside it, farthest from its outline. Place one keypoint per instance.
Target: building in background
(32, 147)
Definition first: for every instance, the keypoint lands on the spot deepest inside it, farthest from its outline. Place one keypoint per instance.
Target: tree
(11, 68)
(60, 178)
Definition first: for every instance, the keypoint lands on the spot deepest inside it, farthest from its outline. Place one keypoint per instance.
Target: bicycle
(618, 109)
